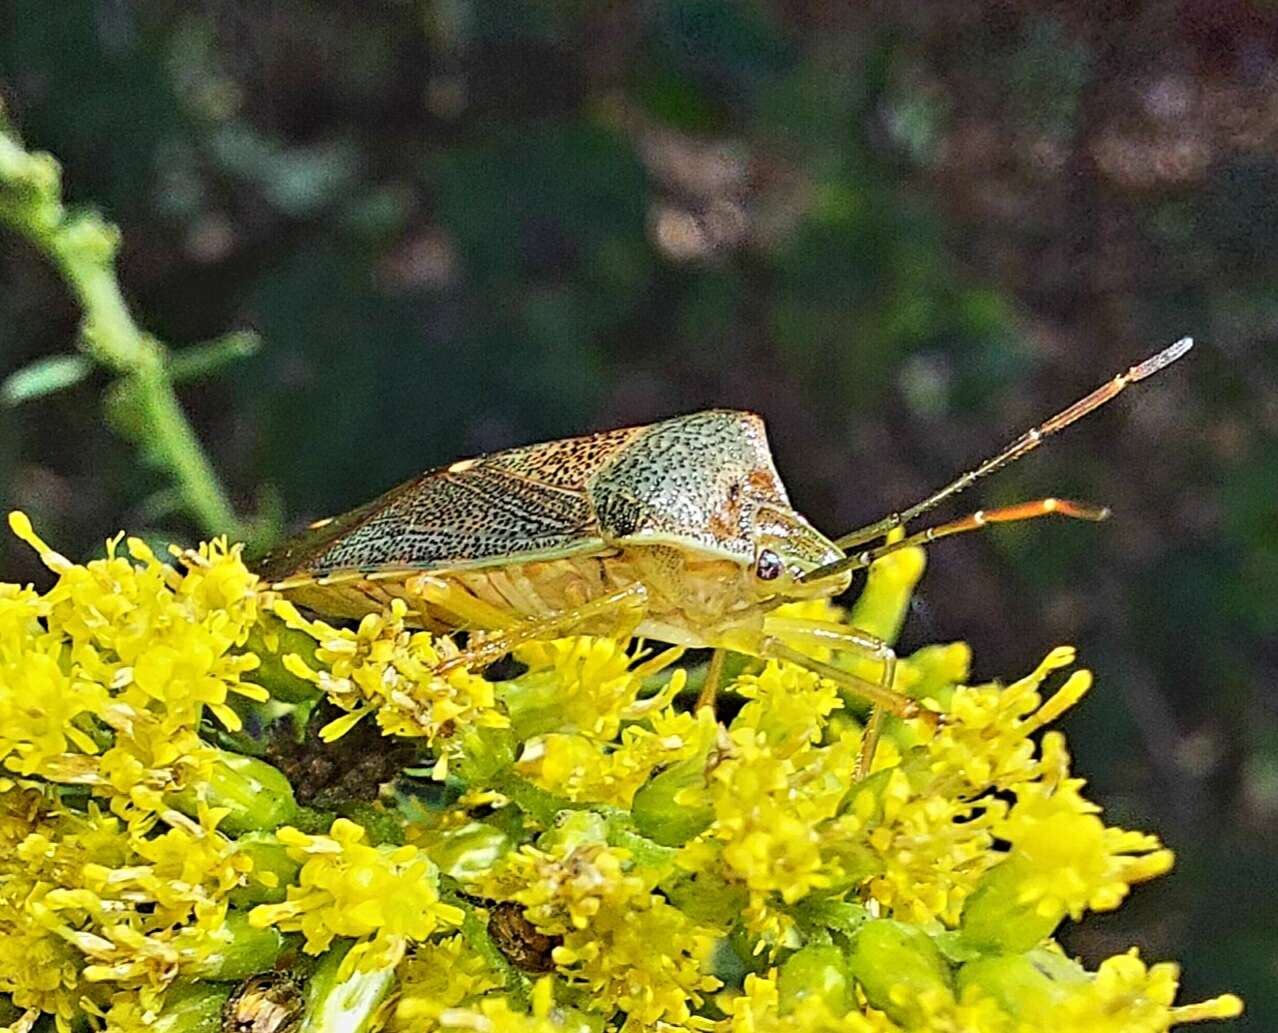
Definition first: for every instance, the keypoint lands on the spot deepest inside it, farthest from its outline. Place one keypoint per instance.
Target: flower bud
(897, 965)
(818, 970)
(661, 810)
(1025, 985)
(994, 918)
(257, 795)
(272, 640)
(467, 852)
(572, 829)
(193, 1008)
(343, 1005)
(242, 949)
(272, 872)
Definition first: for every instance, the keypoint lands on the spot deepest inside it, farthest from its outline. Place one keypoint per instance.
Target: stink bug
(681, 531)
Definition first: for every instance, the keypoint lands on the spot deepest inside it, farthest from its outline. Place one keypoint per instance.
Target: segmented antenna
(1026, 443)
(972, 522)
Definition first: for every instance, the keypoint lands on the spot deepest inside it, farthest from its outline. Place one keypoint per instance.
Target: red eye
(768, 567)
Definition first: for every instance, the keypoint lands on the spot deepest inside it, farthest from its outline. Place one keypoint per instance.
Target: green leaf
(43, 377)
(203, 360)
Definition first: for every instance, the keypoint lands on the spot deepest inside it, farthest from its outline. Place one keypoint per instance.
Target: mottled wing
(506, 507)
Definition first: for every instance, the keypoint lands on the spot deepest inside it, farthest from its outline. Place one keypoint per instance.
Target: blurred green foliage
(902, 232)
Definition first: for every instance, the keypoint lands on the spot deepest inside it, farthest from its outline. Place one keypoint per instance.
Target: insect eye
(768, 567)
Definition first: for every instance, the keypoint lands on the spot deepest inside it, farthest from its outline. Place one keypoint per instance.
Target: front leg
(772, 641)
(847, 639)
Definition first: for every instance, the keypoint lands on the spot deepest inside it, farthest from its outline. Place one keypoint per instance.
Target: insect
(679, 531)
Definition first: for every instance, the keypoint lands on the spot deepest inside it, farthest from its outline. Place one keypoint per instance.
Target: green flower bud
(818, 970)
(896, 964)
(572, 829)
(467, 852)
(273, 871)
(258, 795)
(534, 703)
(994, 920)
(659, 816)
(704, 896)
(272, 640)
(1028, 985)
(336, 1005)
(482, 754)
(243, 949)
(192, 1008)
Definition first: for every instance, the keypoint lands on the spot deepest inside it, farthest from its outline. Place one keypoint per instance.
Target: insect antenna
(972, 522)
(1026, 443)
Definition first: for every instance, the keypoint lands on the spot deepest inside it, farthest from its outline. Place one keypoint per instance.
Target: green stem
(83, 248)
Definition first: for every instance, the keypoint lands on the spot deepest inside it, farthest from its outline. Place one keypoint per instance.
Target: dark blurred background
(902, 231)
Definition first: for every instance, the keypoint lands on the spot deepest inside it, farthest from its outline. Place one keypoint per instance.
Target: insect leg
(772, 648)
(497, 644)
(845, 639)
(714, 674)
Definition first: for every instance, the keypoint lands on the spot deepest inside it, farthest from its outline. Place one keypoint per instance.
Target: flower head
(587, 853)
(383, 896)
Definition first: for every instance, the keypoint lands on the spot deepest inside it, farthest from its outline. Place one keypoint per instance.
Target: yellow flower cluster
(381, 667)
(107, 675)
(587, 734)
(114, 878)
(617, 938)
(586, 851)
(382, 896)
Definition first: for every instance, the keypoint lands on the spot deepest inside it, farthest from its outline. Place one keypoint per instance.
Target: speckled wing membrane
(523, 502)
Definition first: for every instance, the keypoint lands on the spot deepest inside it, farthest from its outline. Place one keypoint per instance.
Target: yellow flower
(1077, 861)
(495, 1015)
(759, 1010)
(383, 668)
(583, 684)
(437, 976)
(580, 768)
(629, 948)
(384, 896)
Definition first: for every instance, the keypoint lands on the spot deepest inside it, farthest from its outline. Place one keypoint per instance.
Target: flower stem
(83, 246)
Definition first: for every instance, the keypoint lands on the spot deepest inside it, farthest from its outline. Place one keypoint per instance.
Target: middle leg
(626, 604)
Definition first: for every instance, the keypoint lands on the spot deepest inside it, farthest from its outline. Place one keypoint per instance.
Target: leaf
(43, 377)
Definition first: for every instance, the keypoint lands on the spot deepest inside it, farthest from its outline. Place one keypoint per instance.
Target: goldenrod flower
(383, 896)
(436, 976)
(620, 941)
(385, 669)
(664, 872)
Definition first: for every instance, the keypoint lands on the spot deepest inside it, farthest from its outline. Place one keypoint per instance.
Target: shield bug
(680, 531)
